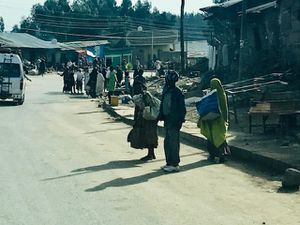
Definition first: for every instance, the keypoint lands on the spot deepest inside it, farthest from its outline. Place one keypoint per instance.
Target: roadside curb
(237, 153)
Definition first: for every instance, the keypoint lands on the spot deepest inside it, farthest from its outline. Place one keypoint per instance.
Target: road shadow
(7, 104)
(121, 182)
(78, 96)
(286, 190)
(55, 93)
(86, 113)
(118, 164)
(112, 121)
(107, 130)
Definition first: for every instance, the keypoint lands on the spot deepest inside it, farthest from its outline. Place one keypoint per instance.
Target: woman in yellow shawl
(215, 130)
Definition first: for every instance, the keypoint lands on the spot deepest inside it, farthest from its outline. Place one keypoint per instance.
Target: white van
(12, 84)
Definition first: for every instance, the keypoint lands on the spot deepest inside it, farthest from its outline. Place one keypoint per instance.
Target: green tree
(1, 24)
(16, 29)
(126, 8)
(142, 9)
(96, 7)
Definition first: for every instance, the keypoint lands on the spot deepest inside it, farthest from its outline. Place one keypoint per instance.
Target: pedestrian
(215, 130)
(111, 83)
(172, 112)
(92, 82)
(79, 80)
(127, 83)
(144, 132)
(139, 82)
(86, 76)
(119, 76)
(42, 67)
(123, 64)
(100, 84)
(72, 80)
(137, 63)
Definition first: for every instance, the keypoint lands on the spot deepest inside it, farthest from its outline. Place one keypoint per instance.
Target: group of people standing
(94, 81)
(172, 112)
(73, 79)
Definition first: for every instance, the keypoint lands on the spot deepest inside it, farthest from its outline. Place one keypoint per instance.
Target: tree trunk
(182, 37)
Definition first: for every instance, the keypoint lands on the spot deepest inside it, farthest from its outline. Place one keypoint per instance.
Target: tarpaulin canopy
(23, 40)
(78, 45)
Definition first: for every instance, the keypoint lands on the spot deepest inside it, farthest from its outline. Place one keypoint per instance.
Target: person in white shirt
(79, 80)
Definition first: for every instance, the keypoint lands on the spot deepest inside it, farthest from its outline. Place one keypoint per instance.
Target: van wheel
(21, 101)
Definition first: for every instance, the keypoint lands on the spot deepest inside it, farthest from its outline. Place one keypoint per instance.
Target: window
(10, 70)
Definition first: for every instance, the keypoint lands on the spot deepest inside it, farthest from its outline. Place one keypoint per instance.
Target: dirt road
(66, 162)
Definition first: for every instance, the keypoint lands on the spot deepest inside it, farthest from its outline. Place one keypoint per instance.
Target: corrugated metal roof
(262, 7)
(23, 40)
(222, 5)
(75, 45)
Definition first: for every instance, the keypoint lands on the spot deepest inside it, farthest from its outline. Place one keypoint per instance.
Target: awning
(77, 45)
(24, 40)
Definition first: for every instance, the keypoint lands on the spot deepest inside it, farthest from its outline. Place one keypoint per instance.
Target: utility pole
(152, 46)
(242, 38)
(182, 37)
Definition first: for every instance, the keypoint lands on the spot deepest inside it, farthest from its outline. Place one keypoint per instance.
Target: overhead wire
(102, 36)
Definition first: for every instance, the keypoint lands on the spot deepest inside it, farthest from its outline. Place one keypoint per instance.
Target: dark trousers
(218, 152)
(110, 93)
(212, 150)
(172, 146)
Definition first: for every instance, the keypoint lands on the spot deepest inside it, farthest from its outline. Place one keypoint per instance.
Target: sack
(208, 106)
(139, 101)
(134, 138)
(151, 111)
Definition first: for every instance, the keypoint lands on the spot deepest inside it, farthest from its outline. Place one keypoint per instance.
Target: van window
(9, 70)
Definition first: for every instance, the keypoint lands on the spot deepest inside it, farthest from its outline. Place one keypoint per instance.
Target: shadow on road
(7, 104)
(86, 113)
(79, 96)
(55, 93)
(107, 130)
(119, 164)
(121, 182)
(109, 122)
(287, 190)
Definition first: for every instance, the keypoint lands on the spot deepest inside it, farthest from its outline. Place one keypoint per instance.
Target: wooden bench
(283, 109)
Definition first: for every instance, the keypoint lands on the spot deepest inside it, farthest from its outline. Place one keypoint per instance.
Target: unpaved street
(66, 162)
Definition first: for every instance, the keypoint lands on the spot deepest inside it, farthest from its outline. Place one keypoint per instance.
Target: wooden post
(182, 37)
(242, 38)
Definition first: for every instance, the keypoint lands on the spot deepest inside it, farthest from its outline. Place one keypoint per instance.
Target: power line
(117, 19)
(105, 26)
(101, 36)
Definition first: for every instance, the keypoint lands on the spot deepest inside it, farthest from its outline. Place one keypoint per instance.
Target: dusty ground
(65, 161)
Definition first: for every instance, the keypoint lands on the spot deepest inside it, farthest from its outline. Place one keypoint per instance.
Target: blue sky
(13, 10)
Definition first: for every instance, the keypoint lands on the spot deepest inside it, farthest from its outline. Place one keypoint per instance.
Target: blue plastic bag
(208, 106)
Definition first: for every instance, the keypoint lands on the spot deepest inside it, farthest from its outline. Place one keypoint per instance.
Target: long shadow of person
(119, 164)
(121, 182)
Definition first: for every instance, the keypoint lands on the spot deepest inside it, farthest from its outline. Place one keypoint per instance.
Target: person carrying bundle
(144, 131)
(213, 121)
